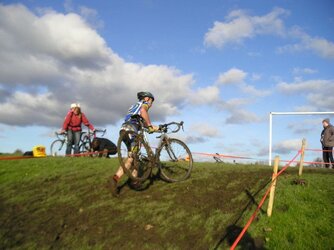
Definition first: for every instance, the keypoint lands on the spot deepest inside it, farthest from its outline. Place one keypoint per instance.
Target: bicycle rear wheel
(85, 146)
(134, 155)
(174, 160)
(58, 148)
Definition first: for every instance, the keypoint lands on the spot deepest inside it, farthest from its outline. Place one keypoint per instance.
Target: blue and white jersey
(134, 110)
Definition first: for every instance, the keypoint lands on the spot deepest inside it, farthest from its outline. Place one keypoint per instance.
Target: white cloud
(306, 86)
(251, 90)
(63, 59)
(287, 146)
(237, 77)
(51, 60)
(239, 116)
(317, 93)
(240, 26)
(31, 109)
(305, 127)
(89, 15)
(193, 139)
(206, 95)
(236, 102)
(299, 71)
(318, 45)
(303, 108)
(45, 45)
(232, 76)
(205, 129)
(323, 101)
(223, 33)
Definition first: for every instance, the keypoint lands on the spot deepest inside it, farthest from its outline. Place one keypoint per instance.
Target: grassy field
(65, 203)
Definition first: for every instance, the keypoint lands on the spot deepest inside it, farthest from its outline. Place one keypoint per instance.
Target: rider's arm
(86, 122)
(144, 114)
(67, 120)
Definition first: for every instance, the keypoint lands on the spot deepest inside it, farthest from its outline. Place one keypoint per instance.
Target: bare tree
(317, 162)
(18, 152)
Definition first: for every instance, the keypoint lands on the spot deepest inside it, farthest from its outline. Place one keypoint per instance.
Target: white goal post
(287, 113)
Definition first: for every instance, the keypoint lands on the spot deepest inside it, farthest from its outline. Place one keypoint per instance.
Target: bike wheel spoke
(58, 148)
(85, 147)
(175, 160)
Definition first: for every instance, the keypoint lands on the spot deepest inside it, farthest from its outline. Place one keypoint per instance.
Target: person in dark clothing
(327, 142)
(104, 146)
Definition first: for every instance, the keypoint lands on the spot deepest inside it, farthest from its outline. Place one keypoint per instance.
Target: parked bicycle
(217, 158)
(172, 157)
(58, 147)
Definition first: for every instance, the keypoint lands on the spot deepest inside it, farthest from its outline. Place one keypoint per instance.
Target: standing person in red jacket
(72, 125)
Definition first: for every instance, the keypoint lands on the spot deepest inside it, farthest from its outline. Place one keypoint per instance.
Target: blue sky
(221, 66)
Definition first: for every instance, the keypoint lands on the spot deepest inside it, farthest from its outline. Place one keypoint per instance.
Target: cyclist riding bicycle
(132, 122)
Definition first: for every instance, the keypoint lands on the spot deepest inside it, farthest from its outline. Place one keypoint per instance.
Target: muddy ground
(75, 209)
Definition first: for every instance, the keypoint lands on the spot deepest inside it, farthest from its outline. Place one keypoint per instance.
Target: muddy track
(69, 212)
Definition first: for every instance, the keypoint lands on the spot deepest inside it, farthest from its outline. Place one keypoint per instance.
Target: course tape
(261, 159)
(310, 162)
(317, 150)
(261, 203)
(194, 153)
(16, 157)
(70, 155)
(221, 155)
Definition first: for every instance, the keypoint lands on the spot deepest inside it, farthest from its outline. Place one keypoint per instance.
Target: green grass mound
(65, 203)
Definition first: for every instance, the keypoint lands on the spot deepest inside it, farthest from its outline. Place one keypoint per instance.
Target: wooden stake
(272, 189)
(301, 162)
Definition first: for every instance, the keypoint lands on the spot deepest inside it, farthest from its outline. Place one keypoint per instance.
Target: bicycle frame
(85, 139)
(162, 138)
(172, 157)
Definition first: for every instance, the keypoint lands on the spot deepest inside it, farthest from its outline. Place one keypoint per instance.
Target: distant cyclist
(72, 125)
(131, 122)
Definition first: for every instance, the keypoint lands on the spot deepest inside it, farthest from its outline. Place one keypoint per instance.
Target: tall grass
(303, 214)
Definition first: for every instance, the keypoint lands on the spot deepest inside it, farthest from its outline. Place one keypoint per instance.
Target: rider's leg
(129, 142)
(118, 175)
(76, 137)
(120, 170)
(132, 148)
(69, 142)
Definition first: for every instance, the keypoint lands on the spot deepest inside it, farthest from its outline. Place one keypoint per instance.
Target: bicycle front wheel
(134, 155)
(58, 148)
(174, 160)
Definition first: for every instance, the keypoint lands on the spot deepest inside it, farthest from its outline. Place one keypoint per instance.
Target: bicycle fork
(169, 150)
